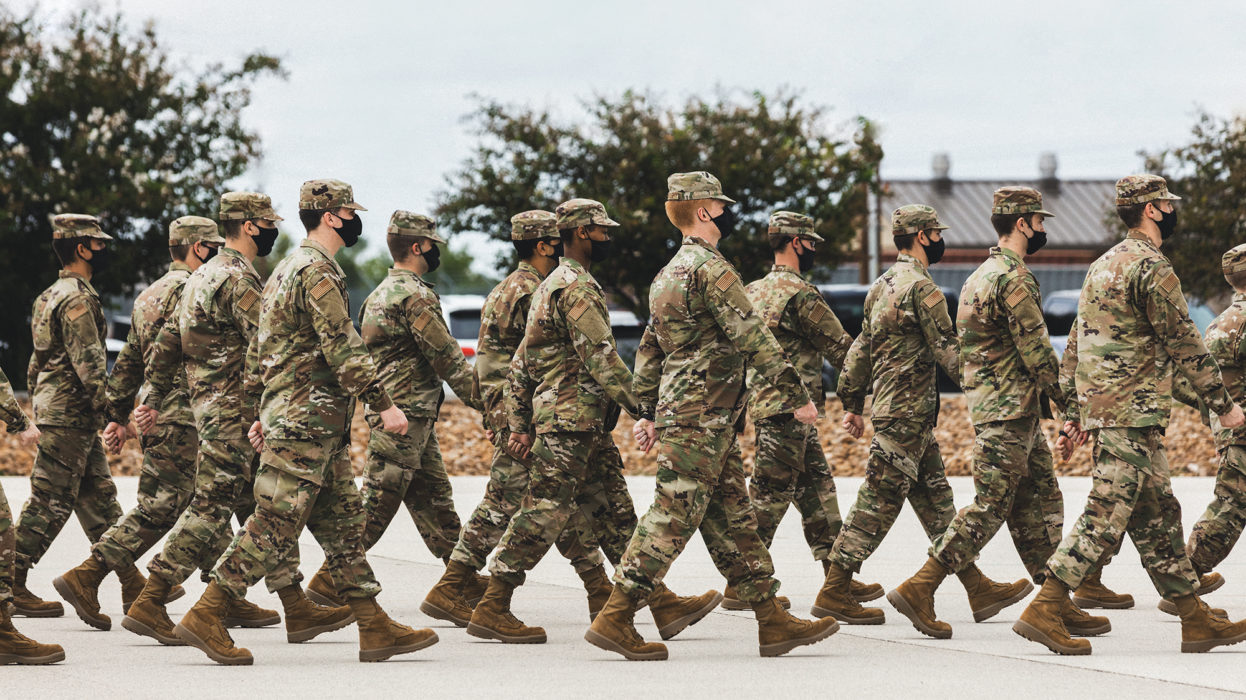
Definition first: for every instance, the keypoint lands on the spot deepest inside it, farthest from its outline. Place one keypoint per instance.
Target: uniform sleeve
(520, 385)
(648, 377)
(1169, 315)
(343, 349)
(1029, 334)
(241, 307)
(820, 325)
(858, 372)
(428, 329)
(936, 326)
(11, 413)
(85, 349)
(734, 314)
(126, 377)
(589, 326)
(166, 360)
(1068, 372)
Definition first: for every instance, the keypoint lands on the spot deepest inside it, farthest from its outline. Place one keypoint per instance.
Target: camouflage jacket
(14, 418)
(905, 331)
(411, 346)
(702, 333)
(1134, 326)
(502, 324)
(1005, 354)
(567, 375)
(216, 320)
(1226, 341)
(68, 372)
(803, 323)
(154, 307)
(311, 362)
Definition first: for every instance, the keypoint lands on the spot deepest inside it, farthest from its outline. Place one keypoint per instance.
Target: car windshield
(465, 324)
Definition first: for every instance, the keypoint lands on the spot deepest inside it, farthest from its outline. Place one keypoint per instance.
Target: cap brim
(939, 227)
(1170, 196)
(354, 205)
(724, 198)
(213, 239)
(274, 218)
(100, 235)
(437, 237)
(605, 221)
(1044, 212)
(812, 236)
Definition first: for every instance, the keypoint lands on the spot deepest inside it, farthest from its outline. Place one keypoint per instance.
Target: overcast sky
(377, 90)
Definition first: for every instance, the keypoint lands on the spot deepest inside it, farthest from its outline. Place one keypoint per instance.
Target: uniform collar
(1138, 235)
(697, 240)
(578, 269)
(1007, 252)
(66, 274)
(529, 267)
(178, 266)
(917, 264)
(309, 243)
(786, 268)
(1239, 297)
(399, 272)
(231, 253)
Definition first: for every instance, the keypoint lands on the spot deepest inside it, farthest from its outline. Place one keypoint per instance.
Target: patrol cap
(323, 194)
(406, 223)
(1140, 189)
(1019, 200)
(193, 229)
(914, 218)
(77, 226)
(1234, 260)
(789, 223)
(534, 224)
(238, 206)
(695, 185)
(582, 212)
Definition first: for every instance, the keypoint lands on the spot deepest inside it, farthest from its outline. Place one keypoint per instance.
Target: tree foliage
(770, 152)
(99, 118)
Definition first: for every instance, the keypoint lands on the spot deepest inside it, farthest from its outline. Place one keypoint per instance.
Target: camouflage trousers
(407, 469)
(508, 482)
(700, 486)
(7, 549)
(1217, 531)
(568, 496)
(301, 483)
(165, 485)
(70, 475)
(1131, 493)
(790, 468)
(904, 464)
(201, 534)
(1015, 483)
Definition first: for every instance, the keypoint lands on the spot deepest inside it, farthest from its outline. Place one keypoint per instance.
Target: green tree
(771, 152)
(99, 118)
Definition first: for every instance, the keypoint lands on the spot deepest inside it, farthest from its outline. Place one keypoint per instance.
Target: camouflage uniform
(502, 324)
(690, 379)
(790, 466)
(171, 449)
(413, 350)
(1134, 330)
(68, 377)
(312, 365)
(15, 421)
(905, 331)
(1009, 366)
(207, 347)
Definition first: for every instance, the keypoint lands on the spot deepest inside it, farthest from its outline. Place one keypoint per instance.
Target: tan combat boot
(1080, 624)
(1201, 631)
(778, 632)
(241, 612)
(1093, 594)
(613, 630)
(80, 588)
(1206, 584)
(148, 617)
(306, 620)
(598, 588)
(445, 600)
(836, 600)
(132, 583)
(203, 627)
(17, 648)
(492, 618)
(27, 604)
(1169, 607)
(322, 590)
(380, 637)
(863, 592)
(1041, 621)
(986, 597)
(731, 601)
(474, 588)
(915, 599)
(674, 614)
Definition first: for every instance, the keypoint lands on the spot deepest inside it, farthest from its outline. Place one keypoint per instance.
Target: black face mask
(100, 261)
(1036, 242)
(725, 222)
(557, 246)
(211, 254)
(934, 251)
(432, 257)
(805, 258)
(351, 228)
(265, 241)
(1168, 224)
(601, 251)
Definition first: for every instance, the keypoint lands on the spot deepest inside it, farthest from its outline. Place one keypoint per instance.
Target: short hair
(777, 243)
(568, 234)
(399, 246)
(233, 227)
(1004, 223)
(1131, 214)
(311, 218)
(178, 252)
(527, 248)
(1236, 280)
(683, 213)
(66, 249)
(904, 241)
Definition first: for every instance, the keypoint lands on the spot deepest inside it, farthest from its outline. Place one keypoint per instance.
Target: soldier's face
(711, 210)
(1036, 222)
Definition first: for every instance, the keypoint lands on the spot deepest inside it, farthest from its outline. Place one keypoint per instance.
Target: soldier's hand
(130, 431)
(145, 417)
(645, 433)
(1234, 418)
(393, 420)
(854, 424)
(807, 414)
(489, 434)
(256, 436)
(114, 437)
(519, 445)
(1065, 447)
(30, 435)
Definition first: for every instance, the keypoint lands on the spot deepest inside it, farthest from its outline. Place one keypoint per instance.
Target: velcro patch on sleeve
(578, 310)
(725, 280)
(249, 298)
(422, 321)
(1018, 295)
(321, 288)
(1169, 283)
(76, 311)
(819, 313)
(932, 299)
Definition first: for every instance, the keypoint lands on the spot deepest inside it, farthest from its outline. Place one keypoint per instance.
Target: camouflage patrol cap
(582, 212)
(534, 224)
(317, 195)
(77, 226)
(193, 229)
(1140, 189)
(238, 206)
(914, 218)
(695, 185)
(406, 223)
(1234, 260)
(789, 223)
(1019, 200)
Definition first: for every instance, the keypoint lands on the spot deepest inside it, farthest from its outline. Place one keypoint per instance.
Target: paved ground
(1138, 659)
